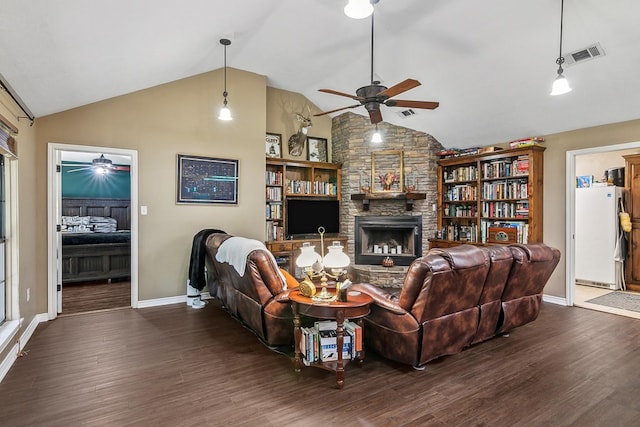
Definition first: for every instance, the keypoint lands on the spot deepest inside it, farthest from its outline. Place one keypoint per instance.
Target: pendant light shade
(225, 113)
(376, 138)
(560, 84)
(358, 9)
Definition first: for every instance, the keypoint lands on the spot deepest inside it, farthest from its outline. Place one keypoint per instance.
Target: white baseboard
(162, 301)
(554, 300)
(11, 357)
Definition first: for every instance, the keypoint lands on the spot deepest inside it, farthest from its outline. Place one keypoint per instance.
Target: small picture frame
(584, 181)
(317, 149)
(273, 145)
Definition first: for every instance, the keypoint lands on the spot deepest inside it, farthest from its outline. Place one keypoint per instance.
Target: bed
(96, 239)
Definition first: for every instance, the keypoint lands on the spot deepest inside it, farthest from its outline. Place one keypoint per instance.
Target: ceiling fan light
(358, 9)
(376, 138)
(560, 86)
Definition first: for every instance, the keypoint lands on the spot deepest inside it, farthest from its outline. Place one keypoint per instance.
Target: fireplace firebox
(379, 237)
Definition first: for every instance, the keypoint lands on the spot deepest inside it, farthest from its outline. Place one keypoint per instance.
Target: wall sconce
(225, 113)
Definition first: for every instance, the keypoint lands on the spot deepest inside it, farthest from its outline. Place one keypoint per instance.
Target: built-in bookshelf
(298, 179)
(490, 198)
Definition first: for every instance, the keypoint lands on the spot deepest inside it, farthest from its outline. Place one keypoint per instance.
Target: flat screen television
(304, 216)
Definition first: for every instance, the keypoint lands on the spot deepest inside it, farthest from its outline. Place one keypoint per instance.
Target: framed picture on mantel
(386, 171)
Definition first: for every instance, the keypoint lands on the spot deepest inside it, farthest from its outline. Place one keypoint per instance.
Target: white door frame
(570, 243)
(53, 153)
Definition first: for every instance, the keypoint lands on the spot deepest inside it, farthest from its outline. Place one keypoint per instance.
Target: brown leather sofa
(452, 298)
(257, 298)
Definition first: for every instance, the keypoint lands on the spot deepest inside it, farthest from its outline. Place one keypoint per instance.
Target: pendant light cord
(560, 59)
(372, 33)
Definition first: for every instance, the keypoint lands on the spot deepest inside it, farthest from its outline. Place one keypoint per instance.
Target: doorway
(590, 163)
(97, 217)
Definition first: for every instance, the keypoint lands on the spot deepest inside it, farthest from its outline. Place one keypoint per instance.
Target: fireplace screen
(396, 237)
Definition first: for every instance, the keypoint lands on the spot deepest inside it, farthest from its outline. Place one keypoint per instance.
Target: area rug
(621, 300)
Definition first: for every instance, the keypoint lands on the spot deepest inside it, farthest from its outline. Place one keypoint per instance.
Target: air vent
(592, 52)
(405, 114)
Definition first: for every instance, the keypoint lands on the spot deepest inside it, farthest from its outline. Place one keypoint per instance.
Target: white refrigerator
(598, 257)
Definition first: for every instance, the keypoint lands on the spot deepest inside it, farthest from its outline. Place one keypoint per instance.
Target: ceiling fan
(374, 95)
(101, 164)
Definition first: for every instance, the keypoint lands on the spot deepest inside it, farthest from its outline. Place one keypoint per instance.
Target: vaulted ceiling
(489, 63)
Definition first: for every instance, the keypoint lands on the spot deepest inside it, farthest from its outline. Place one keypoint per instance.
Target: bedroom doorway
(92, 200)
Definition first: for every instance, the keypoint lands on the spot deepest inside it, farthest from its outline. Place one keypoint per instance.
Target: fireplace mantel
(407, 197)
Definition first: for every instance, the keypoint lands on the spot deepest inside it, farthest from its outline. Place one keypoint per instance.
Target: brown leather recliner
(435, 313)
(522, 295)
(257, 298)
(452, 298)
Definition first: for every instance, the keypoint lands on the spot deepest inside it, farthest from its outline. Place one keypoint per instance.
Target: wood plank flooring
(92, 296)
(177, 366)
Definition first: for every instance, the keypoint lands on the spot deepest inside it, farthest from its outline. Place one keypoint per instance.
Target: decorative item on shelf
(297, 140)
(410, 183)
(333, 265)
(365, 183)
(387, 180)
(387, 262)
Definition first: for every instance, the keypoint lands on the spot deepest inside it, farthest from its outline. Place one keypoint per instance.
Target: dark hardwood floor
(177, 366)
(92, 296)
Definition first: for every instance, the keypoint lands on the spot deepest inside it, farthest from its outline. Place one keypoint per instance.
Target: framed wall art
(203, 180)
(273, 145)
(386, 171)
(317, 149)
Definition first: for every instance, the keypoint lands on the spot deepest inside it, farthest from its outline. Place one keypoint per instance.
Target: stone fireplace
(379, 237)
(351, 146)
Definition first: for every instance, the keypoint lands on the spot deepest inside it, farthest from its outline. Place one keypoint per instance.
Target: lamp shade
(358, 9)
(376, 138)
(225, 114)
(560, 86)
(336, 259)
(308, 256)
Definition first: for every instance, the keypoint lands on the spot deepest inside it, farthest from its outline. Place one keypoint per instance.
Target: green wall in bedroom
(86, 183)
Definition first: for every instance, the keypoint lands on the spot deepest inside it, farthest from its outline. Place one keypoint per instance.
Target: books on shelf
(319, 342)
(526, 142)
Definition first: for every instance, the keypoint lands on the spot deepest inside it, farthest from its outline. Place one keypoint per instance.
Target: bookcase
(299, 179)
(490, 198)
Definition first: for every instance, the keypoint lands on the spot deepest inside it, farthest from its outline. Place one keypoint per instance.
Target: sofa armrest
(283, 296)
(381, 297)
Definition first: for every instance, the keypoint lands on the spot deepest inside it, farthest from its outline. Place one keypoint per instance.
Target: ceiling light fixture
(225, 113)
(359, 9)
(560, 84)
(376, 138)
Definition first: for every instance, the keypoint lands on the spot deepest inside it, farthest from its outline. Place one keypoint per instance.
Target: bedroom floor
(95, 296)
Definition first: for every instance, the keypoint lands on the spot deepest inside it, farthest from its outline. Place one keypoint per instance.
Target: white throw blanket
(235, 251)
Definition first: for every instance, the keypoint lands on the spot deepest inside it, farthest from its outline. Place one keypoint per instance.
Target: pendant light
(376, 138)
(225, 113)
(358, 9)
(560, 84)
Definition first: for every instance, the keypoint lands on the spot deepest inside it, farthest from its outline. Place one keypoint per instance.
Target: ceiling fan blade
(335, 92)
(375, 116)
(399, 88)
(81, 169)
(337, 109)
(427, 105)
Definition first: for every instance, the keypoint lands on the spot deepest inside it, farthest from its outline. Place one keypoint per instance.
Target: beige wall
(555, 182)
(160, 122)
(282, 107)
